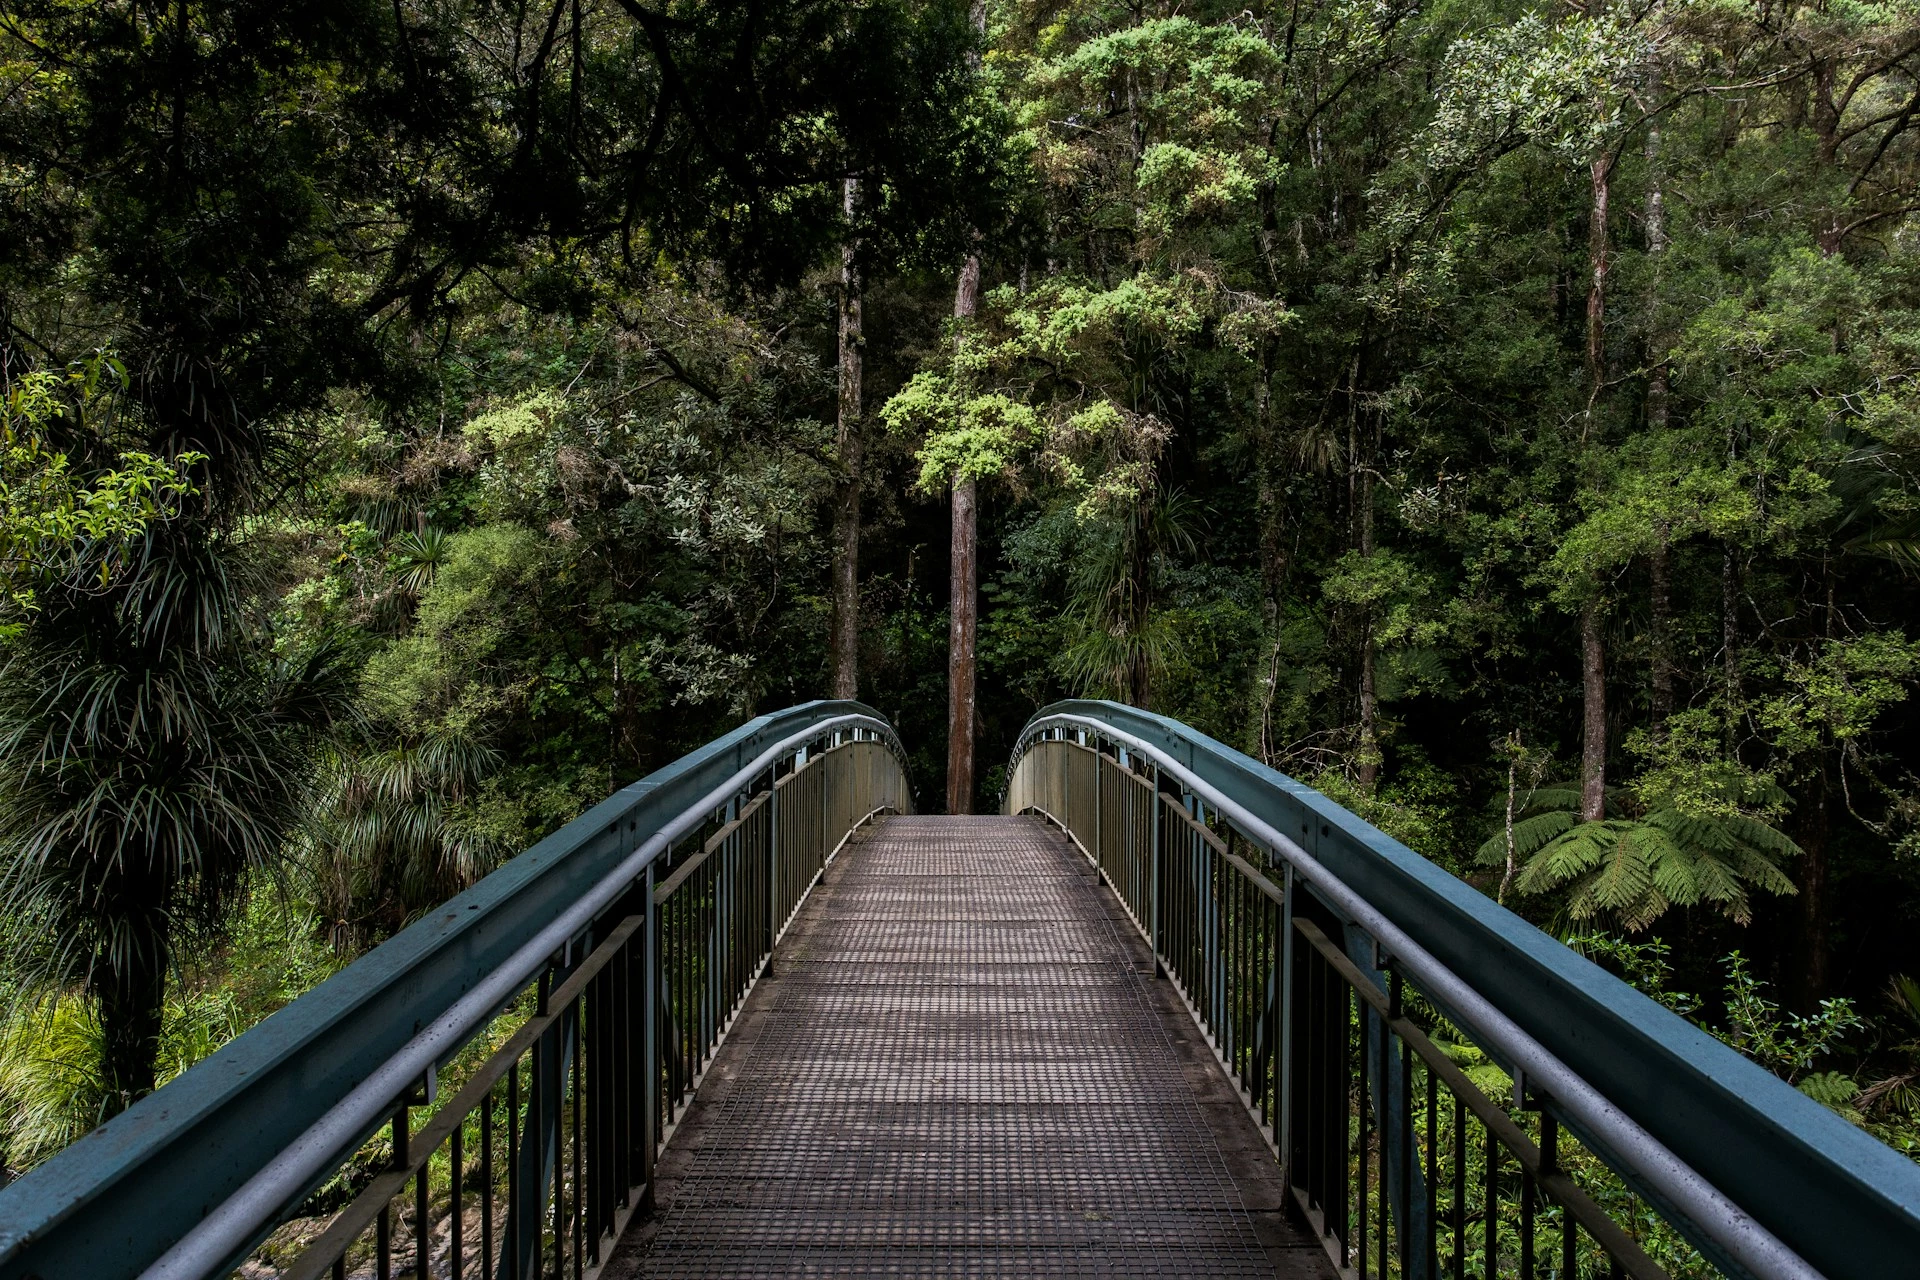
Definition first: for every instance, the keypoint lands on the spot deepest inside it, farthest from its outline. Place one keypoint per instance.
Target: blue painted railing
(191, 1178)
(1761, 1178)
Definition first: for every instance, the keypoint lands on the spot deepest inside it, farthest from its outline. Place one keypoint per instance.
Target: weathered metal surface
(962, 1065)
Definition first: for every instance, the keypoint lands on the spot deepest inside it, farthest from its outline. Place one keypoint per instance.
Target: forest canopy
(420, 420)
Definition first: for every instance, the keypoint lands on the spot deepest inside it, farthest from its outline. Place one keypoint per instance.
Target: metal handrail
(1886, 1225)
(218, 1157)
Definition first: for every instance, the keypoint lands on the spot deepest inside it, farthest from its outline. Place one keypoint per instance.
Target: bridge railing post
(650, 1039)
(1282, 1045)
(1154, 859)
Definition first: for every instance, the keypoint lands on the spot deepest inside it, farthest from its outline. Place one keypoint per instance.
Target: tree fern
(1633, 869)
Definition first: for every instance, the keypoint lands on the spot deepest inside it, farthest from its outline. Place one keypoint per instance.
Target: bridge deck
(961, 1065)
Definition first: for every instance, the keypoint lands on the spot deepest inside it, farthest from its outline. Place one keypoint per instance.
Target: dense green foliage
(1500, 415)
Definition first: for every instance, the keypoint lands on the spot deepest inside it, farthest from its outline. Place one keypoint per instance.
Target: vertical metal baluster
(402, 1157)
(1493, 1207)
(1236, 956)
(510, 1255)
(1549, 1163)
(600, 1111)
(383, 1244)
(678, 1008)
(422, 1223)
(649, 1030)
(340, 1267)
(559, 1206)
(1404, 1209)
(1313, 1111)
(456, 1188)
(1248, 1033)
(1366, 1094)
(1459, 1189)
(1526, 1222)
(486, 1185)
(579, 1139)
(1383, 1225)
(1433, 1174)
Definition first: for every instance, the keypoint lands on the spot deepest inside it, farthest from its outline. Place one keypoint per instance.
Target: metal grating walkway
(961, 1065)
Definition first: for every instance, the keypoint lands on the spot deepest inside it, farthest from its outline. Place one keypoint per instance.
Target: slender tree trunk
(1273, 566)
(1599, 257)
(1369, 756)
(963, 621)
(850, 446)
(1138, 612)
(964, 598)
(1660, 574)
(1656, 217)
(963, 571)
(1730, 630)
(1369, 771)
(1660, 567)
(1593, 736)
(1811, 976)
(1513, 796)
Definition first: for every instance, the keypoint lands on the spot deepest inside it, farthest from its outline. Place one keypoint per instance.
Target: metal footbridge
(1171, 1013)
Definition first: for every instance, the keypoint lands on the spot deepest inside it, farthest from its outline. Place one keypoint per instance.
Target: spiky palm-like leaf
(1899, 1092)
(382, 839)
(1635, 869)
(150, 759)
(417, 557)
(1122, 642)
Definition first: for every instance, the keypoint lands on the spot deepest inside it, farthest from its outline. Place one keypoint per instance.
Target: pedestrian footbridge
(1171, 1013)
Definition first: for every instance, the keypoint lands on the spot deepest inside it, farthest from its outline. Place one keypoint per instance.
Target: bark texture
(961, 628)
(1660, 562)
(1593, 735)
(963, 597)
(1599, 256)
(848, 444)
(1660, 631)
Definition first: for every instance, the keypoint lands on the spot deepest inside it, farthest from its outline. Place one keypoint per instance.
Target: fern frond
(1554, 796)
(1528, 835)
(1624, 876)
(1534, 834)
(1759, 835)
(1761, 870)
(1559, 860)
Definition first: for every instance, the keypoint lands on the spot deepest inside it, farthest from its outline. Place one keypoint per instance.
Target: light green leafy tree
(50, 515)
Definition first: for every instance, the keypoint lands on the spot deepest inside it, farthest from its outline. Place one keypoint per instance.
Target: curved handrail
(1763, 1177)
(199, 1170)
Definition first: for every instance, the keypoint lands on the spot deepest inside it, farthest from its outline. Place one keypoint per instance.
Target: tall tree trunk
(1138, 610)
(1513, 798)
(1593, 734)
(1730, 631)
(1811, 963)
(1369, 761)
(1660, 575)
(1656, 217)
(1273, 565)
(1599, 258)
(850, 446)
(1660, 567)
(1369, 755)
(963, 596)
